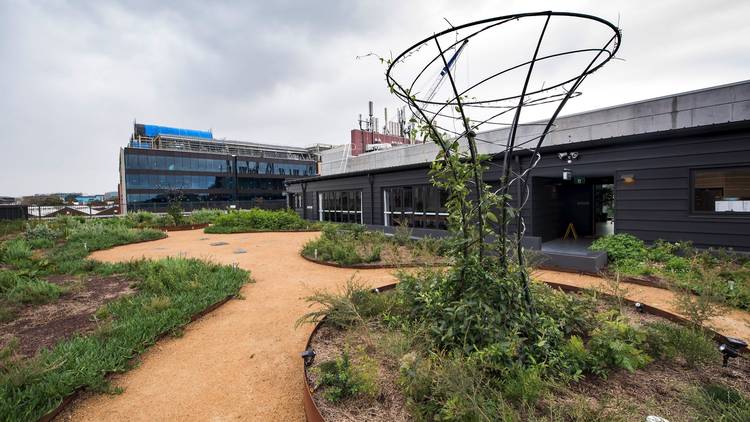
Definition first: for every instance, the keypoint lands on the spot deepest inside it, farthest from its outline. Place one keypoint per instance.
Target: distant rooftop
(176, 139)
(703, 107)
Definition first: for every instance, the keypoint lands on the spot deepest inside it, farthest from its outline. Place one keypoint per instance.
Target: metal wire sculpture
(457, 112)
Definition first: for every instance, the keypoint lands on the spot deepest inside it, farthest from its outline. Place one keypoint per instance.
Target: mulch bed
(659, 388)
(42, 326)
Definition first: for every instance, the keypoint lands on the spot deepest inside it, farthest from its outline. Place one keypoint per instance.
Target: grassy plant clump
(170, 291)
(206, 215)
(257, 219)
(717, 402)
(351, 244)
(9, 227)
(669, 341)
(21, 287)
(342, 378)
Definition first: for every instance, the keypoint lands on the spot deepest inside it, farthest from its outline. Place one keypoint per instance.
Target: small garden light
(308, 356)
(639, 307)
(728, 353)
(731, 348)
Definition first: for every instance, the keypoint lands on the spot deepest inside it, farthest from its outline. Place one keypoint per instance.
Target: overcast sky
(76, 74)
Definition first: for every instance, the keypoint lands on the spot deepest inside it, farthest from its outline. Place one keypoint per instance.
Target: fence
(89, 211)
(12, 212)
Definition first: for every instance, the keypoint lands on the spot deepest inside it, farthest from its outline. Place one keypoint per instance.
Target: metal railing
(89, 211)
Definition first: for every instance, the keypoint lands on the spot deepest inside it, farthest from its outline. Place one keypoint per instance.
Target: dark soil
(658, 389)
(42, 326)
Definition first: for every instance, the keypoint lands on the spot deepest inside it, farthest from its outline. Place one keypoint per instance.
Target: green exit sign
(579, 180)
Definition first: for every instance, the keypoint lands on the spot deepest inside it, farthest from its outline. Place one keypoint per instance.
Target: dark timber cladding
(656, 195)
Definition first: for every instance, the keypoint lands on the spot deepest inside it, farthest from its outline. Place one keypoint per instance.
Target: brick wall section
(360, 138)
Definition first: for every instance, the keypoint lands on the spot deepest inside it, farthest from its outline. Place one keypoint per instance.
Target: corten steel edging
(366, 266)
(312, 413)
(67, 400)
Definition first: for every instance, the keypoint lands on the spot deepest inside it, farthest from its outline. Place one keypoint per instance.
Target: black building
(675, 168)
(162, 164)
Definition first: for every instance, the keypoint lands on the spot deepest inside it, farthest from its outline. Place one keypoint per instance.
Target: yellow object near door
(570, 230)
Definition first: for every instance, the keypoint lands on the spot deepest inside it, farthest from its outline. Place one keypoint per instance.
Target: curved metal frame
(569, 86)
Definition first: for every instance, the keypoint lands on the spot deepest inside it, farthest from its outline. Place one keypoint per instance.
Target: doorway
(586, 203)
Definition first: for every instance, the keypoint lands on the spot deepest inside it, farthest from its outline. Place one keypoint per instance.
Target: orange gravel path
(732, 322)
(241, 361)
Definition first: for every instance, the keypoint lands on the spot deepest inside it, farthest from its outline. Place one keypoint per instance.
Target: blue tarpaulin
(154, 130)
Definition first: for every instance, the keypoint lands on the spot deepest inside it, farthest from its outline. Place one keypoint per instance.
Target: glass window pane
(722, 190)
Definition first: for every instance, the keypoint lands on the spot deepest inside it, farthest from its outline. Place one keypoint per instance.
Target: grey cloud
(75, 74)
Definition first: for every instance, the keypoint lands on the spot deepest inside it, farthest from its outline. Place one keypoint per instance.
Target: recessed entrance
(569, 214)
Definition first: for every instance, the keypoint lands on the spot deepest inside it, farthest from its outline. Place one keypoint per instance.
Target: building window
(421, 206)
(340, 207)
(722, 190)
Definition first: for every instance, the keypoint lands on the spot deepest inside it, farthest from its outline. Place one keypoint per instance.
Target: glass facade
(136, 198)
(169, 163)
(723, 190)
(172, 181)
(340, 206)
(261, 184)
(190, 174)
(284, 169)
(421, 206)
(209, 165)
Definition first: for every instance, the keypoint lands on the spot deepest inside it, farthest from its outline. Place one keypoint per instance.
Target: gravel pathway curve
(239, 362)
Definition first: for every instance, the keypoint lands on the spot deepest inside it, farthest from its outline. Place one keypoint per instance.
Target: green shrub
(11, 226)
(668, 341)
(164, 220)
(342, 379)
(616, 344)
(257, 219)
(453, 388)
(141, 218)
(41, 231)
(348, 307)
(206, 215)
(21, 287)
(33, 291)
(175, 211)
(523, 384)
(41, 243)
(678, 265)
(15, 252)
(661, 251)
(620, 247)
